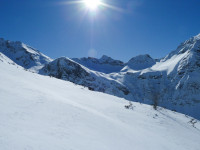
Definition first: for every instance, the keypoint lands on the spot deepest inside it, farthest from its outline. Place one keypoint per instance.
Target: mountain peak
(140, 62)
(23, 54)
(197, 36)
(191, 45)
(105, 57)
(139, 57)
(8, 42)
(193, 39)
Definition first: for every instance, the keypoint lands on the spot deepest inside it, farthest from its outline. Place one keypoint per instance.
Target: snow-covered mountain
(5, 59)
(23, 54)
(139, 62)
(42, 113)
(105, 64)
(67, 69)
(172, 82)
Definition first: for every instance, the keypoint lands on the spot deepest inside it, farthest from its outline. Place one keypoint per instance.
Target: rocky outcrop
(67, 69)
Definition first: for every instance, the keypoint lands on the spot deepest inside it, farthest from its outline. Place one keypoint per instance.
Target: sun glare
(92, 4)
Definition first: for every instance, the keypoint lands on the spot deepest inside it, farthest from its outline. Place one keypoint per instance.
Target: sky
(57, 28)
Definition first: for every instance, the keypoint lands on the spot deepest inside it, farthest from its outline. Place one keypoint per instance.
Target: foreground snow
(43, 113)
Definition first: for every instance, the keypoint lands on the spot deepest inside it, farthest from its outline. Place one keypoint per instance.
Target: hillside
(172, 82)
(41, 112)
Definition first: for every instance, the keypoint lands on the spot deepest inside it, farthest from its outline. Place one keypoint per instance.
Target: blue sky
(155, 27)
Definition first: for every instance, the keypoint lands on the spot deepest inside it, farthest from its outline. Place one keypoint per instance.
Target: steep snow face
(43, 113)
(168, 65)
(23, 55)
(139, 62)
(105, 64)
(66, 69)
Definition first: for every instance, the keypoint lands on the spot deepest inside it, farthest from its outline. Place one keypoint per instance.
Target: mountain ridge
(172, 82)
(23, 55)
(43, 113)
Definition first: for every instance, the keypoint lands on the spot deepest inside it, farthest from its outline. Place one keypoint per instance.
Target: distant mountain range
(172, 82)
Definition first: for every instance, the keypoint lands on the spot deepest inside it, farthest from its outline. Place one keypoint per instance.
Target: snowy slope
(23, 54)
(172, 82)
(67, 69)
(40, 113)
(5, 59)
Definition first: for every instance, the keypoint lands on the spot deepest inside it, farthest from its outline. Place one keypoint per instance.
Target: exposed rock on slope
(66, 69)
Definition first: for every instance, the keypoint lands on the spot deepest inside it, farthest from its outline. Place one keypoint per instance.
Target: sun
(92, 4)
